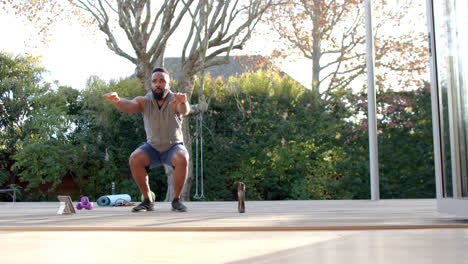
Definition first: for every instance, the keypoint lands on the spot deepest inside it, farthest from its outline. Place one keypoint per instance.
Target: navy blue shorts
(159, 158)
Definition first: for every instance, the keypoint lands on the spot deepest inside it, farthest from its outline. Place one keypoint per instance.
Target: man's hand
(112, 97)
(124, 105)
(180, 104)
(179, 98)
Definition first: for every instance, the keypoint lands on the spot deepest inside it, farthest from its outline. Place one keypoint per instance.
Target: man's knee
(138, 158)
(180, 159)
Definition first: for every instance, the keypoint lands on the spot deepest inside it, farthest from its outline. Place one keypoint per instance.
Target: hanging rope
(199, 138)
(196, 197)
(202, 30)
(201, 154)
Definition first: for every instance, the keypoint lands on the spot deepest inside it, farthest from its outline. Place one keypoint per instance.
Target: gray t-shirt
(162, 125)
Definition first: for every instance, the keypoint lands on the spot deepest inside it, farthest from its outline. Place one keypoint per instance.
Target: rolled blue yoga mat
(109, 200)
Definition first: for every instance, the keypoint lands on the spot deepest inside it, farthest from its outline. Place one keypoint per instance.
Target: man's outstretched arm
(136, 105)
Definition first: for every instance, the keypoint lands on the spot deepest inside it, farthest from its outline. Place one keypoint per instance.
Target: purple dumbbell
(84, 204)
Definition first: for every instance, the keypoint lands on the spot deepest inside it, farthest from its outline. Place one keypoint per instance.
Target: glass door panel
(451, 41)
(461, 11)
(442, 38)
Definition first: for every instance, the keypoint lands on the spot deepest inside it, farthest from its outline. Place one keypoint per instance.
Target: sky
(74, 53)
(71, 56)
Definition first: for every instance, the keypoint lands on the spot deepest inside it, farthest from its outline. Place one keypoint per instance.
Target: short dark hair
(160, 70)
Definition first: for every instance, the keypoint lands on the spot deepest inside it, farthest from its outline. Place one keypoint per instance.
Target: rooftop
(237, 65)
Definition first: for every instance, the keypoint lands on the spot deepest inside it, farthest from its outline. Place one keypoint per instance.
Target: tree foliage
(406, 158)
(331, 33)
(277, 137)
(326, 32)
(140, 30)
(263, 129)
(282, 140)
(44, 155)
(291, 143)
(20, 86)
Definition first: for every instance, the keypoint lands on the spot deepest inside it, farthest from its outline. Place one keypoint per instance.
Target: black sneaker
(178, 206)
(144, 206)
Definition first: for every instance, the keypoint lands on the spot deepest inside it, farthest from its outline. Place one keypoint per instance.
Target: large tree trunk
(143, 73)
(170, 183)
(316, 53)
(185, 195)
(186, 83)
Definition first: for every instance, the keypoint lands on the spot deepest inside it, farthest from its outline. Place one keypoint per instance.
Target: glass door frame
(453, 204)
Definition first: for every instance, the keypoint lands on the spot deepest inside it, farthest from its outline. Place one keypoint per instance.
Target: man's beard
(159, 96)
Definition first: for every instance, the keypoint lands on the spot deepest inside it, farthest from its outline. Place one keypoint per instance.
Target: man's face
(160, 85)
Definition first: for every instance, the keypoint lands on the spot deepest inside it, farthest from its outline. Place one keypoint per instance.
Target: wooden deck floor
(351, 232)
(260, 215)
